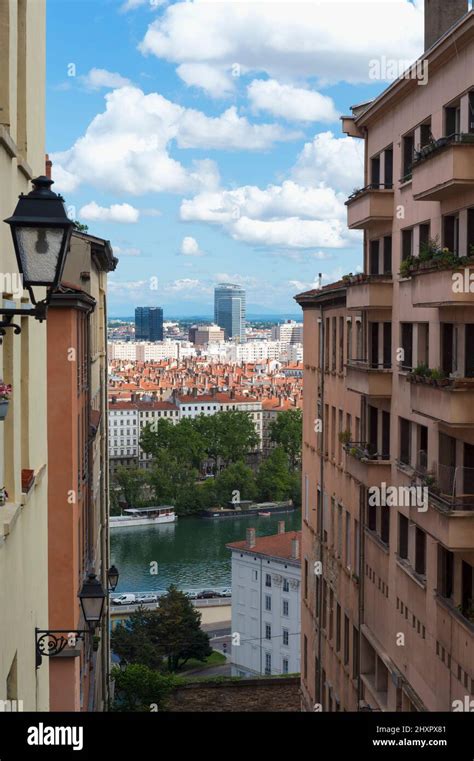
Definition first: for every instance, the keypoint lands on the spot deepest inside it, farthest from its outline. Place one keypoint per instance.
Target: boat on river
(143, 516)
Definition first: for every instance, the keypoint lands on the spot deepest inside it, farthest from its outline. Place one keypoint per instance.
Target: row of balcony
(443, 168)
(431, 287)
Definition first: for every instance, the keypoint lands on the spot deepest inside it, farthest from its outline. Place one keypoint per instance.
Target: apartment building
(266, 573)
(23, 433)
(78, 491)
(387, 611)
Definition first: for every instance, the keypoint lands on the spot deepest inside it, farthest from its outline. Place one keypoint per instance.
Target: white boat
(143, 516)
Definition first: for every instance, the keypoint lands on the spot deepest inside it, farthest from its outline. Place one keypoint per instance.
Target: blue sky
(203, 139)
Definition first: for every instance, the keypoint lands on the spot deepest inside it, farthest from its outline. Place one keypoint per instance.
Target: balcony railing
(443, 168)
(369, 377)
(371, 186)
(452, 487)
(434, 146)
(365, 464)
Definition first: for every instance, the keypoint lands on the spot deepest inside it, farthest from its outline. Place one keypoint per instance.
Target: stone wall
(262, 694)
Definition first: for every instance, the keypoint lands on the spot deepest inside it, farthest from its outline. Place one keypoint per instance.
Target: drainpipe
(361, 568)
(321, 504)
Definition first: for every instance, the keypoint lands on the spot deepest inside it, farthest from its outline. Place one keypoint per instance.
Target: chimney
(250, 538)
(281, 527)
(48, 165)
(441, 15)
(195, 391)
(295, 548)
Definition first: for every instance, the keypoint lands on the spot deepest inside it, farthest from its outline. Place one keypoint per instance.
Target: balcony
(443, 168)
(449, 401)
(366, 468)
(369, 205)
(433, 287)
(372, 292)
(370, 379)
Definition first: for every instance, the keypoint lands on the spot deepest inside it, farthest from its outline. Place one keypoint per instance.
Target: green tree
(287, 432)
(182, 441)
(237, 477)
(274, 480)
(80, 227)
(132, 483)
(138, 688)
(178, 630)
(236, 435)
(136, 642)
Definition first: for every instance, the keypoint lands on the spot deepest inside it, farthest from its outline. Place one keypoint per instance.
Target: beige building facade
(388, 482)
(23, 434)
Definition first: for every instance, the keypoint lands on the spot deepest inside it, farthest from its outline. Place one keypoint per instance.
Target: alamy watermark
(389, 69)
(399, 496)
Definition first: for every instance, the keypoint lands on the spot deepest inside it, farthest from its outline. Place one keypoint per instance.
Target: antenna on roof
(320, 280)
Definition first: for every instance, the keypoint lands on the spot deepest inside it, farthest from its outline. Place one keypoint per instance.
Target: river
(191, 553)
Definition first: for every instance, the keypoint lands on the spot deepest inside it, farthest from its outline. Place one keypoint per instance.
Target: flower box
(3, 408)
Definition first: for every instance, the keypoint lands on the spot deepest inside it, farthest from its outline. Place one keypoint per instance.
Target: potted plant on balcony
(5, 394)
(345, 437)
(439, 377)
(3, 495)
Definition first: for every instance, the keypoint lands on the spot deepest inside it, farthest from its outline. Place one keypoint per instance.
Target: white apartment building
(147, 351)
(266, 573)
(288, 332)
(193, 405)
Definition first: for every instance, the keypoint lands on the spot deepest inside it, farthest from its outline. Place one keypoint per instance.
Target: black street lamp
(51, 642)
(112, 578)
(41, 232)
(92, 597)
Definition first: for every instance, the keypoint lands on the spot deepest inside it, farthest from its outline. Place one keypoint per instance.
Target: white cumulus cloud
(123, 212)
(126, 148)
(190, 247)
(96, 79)
(331, 40)
(337, 162)
(212, 80)
(291, 103)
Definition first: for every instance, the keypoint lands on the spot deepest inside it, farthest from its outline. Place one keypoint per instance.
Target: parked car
(226, 592)
(126, 599)
(191, 595)
(207, 594)
(146, 598)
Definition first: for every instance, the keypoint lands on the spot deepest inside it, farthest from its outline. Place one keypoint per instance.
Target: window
(402, 536)
(420, 551)
(405, 441)
(286, 637)
(338, 627)
(387, 255)
(268, 579)
(445, 572)
(339, 531)
(346, 639)
(355, 652)
(286, 585)
(268, 631)
(305, 657)
(424, 237)
(305, 579)
(407, 243)
(385, 523)
(348, 539)
(268, 602)
(284, 667)
(451, 232)
(254, 575)
(407, 345)
(286, 607)
(408, 145)
(268, 664)
(374, 257)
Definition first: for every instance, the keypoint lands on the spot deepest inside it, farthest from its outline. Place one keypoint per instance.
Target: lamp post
(51, 642)
(41, 232)
(112, 578)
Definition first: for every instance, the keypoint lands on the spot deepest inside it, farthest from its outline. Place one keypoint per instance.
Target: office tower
(148, 324)
(229, 310)
(388, 576)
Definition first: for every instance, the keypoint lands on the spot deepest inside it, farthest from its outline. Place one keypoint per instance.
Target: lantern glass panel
(39, 249)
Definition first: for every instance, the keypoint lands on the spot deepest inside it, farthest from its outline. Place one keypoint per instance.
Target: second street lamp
(112, 578)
